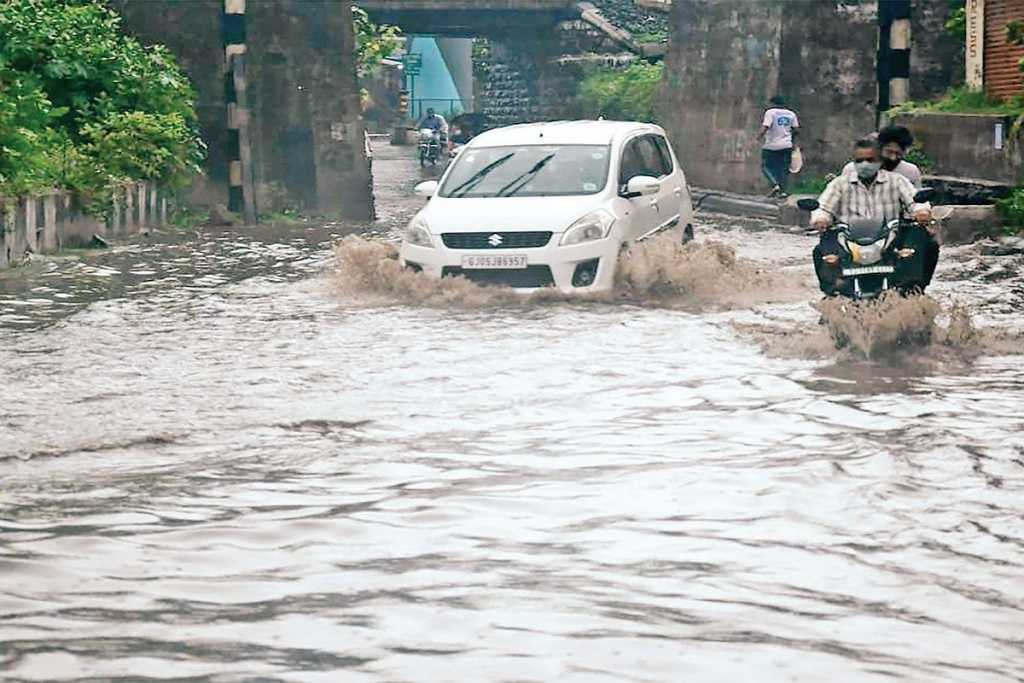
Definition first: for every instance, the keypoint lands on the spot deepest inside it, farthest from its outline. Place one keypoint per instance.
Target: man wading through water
(779, 129)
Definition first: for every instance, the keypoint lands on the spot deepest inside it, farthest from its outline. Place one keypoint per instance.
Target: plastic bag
(796, 163)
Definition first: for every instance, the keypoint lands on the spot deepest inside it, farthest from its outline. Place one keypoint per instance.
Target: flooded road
(219, 464)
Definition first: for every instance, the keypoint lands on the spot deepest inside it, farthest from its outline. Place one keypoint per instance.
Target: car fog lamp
(906, 253)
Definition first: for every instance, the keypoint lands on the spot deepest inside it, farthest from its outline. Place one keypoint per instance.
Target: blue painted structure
(445, 80)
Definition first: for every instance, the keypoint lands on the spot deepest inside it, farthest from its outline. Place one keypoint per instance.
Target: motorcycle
(870, 259)
(430, 146)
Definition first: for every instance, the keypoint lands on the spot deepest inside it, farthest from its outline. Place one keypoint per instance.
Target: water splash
(892, 327)
(660, 272)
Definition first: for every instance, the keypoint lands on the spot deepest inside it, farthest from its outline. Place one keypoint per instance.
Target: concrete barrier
(46, 223)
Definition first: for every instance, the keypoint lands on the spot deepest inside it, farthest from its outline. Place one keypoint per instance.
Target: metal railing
(445, 107)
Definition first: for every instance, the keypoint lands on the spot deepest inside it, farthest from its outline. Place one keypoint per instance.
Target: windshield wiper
(525, 178)
(477, 177)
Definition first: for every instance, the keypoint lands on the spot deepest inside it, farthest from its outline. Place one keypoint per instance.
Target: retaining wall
(47, 223)
(969, 145)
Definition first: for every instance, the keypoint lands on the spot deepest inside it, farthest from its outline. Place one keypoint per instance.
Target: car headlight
(418, 233)
(594, 226)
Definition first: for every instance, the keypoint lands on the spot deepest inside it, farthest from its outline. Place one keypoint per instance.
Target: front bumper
(561, 261)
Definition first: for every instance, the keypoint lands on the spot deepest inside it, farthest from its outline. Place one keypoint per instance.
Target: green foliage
(956, 24)
(650, 37)
(628, 94)
(916, 155)
(814, 185)
(83, 105)
(25, 115)
(964, 101)
(1012, 209)
(373, 42)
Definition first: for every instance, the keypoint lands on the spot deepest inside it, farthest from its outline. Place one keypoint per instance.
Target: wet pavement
(218, 464)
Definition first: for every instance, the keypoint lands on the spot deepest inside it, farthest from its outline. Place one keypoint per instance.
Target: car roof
(562, 133)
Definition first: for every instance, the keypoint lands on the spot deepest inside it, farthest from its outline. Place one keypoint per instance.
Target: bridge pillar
(307, 141)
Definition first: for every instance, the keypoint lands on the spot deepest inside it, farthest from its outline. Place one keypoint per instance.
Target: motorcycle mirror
(808, 204)
(924, 195)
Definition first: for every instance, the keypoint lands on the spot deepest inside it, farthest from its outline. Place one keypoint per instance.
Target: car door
(672, 197)
(642, 211)
(665, 204)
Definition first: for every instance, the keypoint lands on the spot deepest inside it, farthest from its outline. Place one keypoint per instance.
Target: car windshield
(529, 171)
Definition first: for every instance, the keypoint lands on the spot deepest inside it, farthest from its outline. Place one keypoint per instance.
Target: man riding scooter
(867, 193)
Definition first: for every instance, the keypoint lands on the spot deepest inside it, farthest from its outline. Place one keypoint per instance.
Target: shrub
(628, 94)
(1012, 209)
(81, 103)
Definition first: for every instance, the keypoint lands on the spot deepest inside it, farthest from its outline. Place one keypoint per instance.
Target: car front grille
(489, 240)
(531, 276)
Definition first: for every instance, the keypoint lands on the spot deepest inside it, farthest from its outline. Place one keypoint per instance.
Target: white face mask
(867, 170)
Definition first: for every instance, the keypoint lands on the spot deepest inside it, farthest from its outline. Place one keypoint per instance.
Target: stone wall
(47, 223)
(937, 58)
(728, 57)
(968, 146)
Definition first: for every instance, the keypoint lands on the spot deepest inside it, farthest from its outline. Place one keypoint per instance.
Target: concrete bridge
(471, 17)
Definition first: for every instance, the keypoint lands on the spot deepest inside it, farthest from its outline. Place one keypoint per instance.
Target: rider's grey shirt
(890, 197)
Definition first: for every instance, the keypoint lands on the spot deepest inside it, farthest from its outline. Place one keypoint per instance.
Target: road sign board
(412, 70)
(413, 59)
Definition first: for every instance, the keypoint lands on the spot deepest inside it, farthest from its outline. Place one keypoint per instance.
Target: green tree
(373, 42)
(628, 94)
(956, 23)
(90, 81)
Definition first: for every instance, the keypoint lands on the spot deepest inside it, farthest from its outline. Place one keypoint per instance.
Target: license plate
(498, 261)
(869, 270)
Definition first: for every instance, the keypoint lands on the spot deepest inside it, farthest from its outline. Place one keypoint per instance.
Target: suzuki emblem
(495, 240)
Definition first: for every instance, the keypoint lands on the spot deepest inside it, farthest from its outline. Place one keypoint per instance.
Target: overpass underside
(469, 18)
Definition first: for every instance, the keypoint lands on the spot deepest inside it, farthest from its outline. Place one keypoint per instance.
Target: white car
(549, 204)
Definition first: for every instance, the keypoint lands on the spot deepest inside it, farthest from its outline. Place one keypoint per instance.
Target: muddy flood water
(233, 455)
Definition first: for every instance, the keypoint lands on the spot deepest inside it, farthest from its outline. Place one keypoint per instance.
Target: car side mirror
(808, 204)
(641, 186)
(924, 195)
(427, 189)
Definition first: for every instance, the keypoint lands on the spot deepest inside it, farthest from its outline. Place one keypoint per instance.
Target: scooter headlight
(592, 227)
(417, 233)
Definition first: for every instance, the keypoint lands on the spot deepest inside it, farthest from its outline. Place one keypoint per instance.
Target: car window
(632, 162)
(666, 155)
(641, 156)
(653, 164)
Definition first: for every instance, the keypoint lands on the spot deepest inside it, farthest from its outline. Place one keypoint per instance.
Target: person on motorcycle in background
(895, 142)
(868, 191)
(437, 123)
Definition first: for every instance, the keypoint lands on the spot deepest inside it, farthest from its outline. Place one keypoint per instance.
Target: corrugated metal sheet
(1003, 77)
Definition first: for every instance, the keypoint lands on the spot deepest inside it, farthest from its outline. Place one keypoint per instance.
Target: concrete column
(191, 29)
(899, 43)
(130, 223)
(141, 188)
(29, 207)
(308, 145)
(50, 223)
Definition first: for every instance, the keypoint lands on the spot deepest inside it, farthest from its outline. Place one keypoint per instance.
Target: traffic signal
(403, 102)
